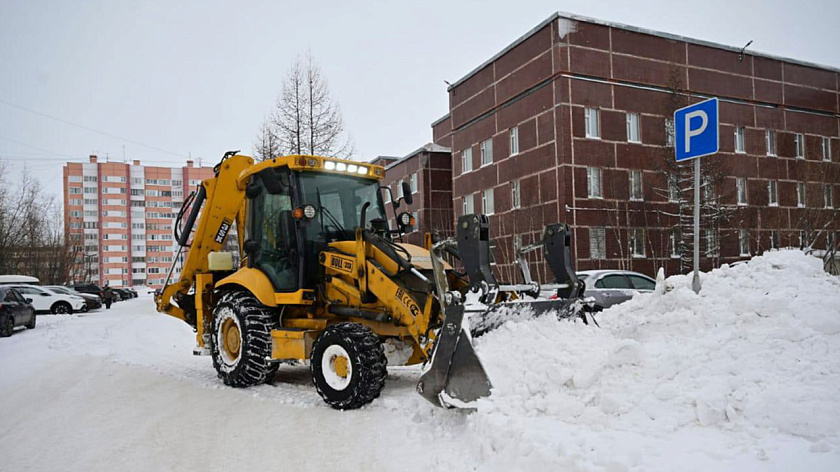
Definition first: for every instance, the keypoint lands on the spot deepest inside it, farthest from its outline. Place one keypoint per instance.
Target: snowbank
(754, 356)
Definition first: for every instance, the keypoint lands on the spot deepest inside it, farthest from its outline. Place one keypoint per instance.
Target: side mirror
(406, 191)
(28, 300)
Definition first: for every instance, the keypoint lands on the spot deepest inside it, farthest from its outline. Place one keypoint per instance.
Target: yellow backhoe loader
(321, 278)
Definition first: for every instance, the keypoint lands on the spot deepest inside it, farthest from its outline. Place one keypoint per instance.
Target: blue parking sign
(696, 130)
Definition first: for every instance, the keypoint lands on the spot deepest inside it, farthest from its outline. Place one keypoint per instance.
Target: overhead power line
(93, 130)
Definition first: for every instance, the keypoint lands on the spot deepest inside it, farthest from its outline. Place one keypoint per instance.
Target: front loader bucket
(489, 318)
(455, 376)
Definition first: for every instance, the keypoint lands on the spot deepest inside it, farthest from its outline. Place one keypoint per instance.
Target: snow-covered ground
(744, 376)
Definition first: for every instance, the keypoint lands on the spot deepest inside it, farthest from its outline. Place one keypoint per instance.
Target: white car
(47, 301)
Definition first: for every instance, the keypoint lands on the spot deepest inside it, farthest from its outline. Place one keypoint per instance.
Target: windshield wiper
(333, 219)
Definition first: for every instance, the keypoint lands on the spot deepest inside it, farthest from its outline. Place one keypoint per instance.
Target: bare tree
(306, 119)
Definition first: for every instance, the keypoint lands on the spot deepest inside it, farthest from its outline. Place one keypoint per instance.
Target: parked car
(92, 302)
(125, 293)
(88, 288)
(47, 301)
(15, 310)
(611, 287)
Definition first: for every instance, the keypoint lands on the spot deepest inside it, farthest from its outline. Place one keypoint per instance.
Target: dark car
(122, 294)
(92, 302)
(88, 288)
(14, 311)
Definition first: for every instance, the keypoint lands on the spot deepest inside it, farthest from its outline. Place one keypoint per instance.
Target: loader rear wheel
(348, 365)
(240, 341)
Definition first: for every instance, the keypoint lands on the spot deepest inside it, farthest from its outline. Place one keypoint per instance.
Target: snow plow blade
(455, 376)
(489, 318)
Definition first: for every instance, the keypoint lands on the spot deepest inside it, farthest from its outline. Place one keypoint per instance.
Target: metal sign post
(696, 129)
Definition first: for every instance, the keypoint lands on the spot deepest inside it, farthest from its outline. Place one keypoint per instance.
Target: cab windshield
(340, 199)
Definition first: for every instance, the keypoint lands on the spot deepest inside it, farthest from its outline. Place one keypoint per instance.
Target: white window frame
(515, 194)
(413, 183)
(592, 123)
(774, 239)
(740, 140)
(466, 160)
(468, 204)
(637, 243)
(800, 195)
(597, 243)
(673, 189)
(744, 242)
(672, 237)
(712, 247)
(669, 132)
(634, 132)
(486, 148)
(772, 193)
(741, 190)
(514, 140)
(826, 149)
(488, 204)
(593, 184)
(636, 186)
(770, 142)
(400, 189)
(799, 141)
(828, 196)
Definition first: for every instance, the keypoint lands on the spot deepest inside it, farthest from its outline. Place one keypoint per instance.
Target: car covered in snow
(611, 287)
(92, 302)
(47, 301)
(15, 310)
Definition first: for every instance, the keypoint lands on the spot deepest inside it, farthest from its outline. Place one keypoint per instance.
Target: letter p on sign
(696, 130)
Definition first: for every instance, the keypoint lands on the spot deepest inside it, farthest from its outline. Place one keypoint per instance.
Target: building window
(774, 239)
(636, 185)
(487, 204)
(416, 227)
(673, 189)
(514, 140)
(637, 242)
(466, 160)
(593, 127)
(739, 140)
(593, 182)
(386, 195)
(400, 189)
(413, 182)
(708, 189)
(800, 194)
(486, 152)
(669, 132)
(828, 194)
(712, 247)
(74, 190)
(674, 242)
(744, 242)
(770, 142)
(800, 146)
(826, 148)
(741, 190)
(515, 198)
(597, 243)
(633, 133)
(772, 193)
(468, 205)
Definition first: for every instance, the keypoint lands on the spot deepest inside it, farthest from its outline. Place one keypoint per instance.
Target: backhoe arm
(218, 203)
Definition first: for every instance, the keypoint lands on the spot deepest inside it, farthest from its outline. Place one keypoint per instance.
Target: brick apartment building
(428, 171)
(571, 123)
(120, 217)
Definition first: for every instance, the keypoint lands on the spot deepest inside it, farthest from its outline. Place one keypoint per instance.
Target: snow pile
(755, 355)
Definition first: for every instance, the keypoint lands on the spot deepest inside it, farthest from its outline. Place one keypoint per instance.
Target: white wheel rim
(328, 368)
(228, 362)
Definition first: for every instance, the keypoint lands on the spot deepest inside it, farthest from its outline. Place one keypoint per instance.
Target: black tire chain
(372, 365)
(254, 367)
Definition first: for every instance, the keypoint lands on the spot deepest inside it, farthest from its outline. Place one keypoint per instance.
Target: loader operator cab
(286, 246)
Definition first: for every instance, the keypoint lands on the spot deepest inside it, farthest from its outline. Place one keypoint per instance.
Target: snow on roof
(18, 279)
(428, 147)
(567, 18)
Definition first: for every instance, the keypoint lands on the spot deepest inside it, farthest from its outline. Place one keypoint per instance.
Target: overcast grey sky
(198, 77)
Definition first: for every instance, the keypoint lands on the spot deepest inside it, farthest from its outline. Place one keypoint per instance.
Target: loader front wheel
(348, 365)
(240, 341)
